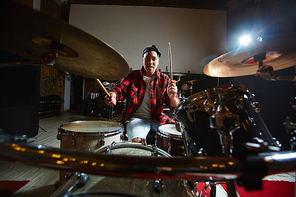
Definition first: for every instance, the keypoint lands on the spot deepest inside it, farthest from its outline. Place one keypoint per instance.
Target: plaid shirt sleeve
(132, 89)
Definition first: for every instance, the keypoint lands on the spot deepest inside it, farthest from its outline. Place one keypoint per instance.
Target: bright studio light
(245, 40)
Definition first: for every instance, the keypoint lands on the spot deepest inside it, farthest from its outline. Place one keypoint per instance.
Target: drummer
(146, 91)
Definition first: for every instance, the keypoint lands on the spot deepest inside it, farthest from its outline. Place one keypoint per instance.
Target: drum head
(92, 127)
(169, 130)
(130, 148)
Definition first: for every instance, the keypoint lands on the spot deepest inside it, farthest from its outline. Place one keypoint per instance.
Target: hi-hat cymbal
(280, 53)
(191, 81)
(29, 33)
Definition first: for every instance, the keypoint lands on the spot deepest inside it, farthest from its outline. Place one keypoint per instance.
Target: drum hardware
(188, 85)
(76, 180)
(291, 128)
(226, 109)
(194, 168)
(266, 71)
(190, 190)
(158, 183)
(261, 147)
(225, 124)
(212, 186)
(293, 102)
(42, 128)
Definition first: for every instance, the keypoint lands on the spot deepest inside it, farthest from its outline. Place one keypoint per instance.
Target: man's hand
(110, 100)
(172, 89)
(172, 92)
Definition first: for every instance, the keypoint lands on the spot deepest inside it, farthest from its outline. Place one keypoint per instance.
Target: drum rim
(118, 145)
(172, 136)
(68, 132)
(164, 133)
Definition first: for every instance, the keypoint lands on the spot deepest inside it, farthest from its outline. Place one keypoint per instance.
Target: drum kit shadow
(224, 137)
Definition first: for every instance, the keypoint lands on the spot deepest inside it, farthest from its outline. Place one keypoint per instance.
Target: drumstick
(102, 86)
(170, 60)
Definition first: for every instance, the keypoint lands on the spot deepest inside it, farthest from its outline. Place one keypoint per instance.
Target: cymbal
(29, 34)
(191, 81)
(280, 53)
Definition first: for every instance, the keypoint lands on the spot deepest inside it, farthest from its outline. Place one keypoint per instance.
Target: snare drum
(89, 135)
(197, 111)
(170, 139)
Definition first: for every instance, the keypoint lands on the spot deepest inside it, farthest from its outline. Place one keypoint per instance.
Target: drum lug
(202, 152)
(169, 145)
(102, 142)
(256, 106)
(59, 135)
(240, 103)
(190, 117)
(73, 141)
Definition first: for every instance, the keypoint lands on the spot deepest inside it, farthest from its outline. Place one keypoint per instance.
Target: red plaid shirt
(133, 87)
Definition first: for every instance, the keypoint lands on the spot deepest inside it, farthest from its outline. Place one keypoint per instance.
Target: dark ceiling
(194, 4)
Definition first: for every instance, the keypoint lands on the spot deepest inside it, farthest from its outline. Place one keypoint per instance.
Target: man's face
(150, 63)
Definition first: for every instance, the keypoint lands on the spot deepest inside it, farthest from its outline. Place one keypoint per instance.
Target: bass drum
(123, 186)
(195, 114)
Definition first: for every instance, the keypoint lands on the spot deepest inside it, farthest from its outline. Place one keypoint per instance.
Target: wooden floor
(43, 180)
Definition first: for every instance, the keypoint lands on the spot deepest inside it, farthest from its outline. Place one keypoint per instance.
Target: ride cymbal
(280, 51)
(29, 34)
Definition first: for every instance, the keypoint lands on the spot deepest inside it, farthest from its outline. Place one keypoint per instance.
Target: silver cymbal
(280, 53)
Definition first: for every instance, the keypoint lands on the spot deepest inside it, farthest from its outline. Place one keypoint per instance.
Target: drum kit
(218, 136)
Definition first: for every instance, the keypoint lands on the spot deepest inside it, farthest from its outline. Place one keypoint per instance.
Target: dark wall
(19, 96)
(19, 101)
(76, 92)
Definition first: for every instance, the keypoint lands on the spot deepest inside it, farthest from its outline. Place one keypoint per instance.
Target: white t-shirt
(144, 110)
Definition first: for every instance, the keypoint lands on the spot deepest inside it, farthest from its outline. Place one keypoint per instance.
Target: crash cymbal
(280, 53)
(29, 33)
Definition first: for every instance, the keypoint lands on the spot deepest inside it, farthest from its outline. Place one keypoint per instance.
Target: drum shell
(170, 141)
(194, 117)
(87, 136)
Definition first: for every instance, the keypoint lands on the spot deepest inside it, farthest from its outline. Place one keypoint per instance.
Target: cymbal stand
(47, 58)
(191, 88)
(76, 180)
(266, 71)
(225, 124)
